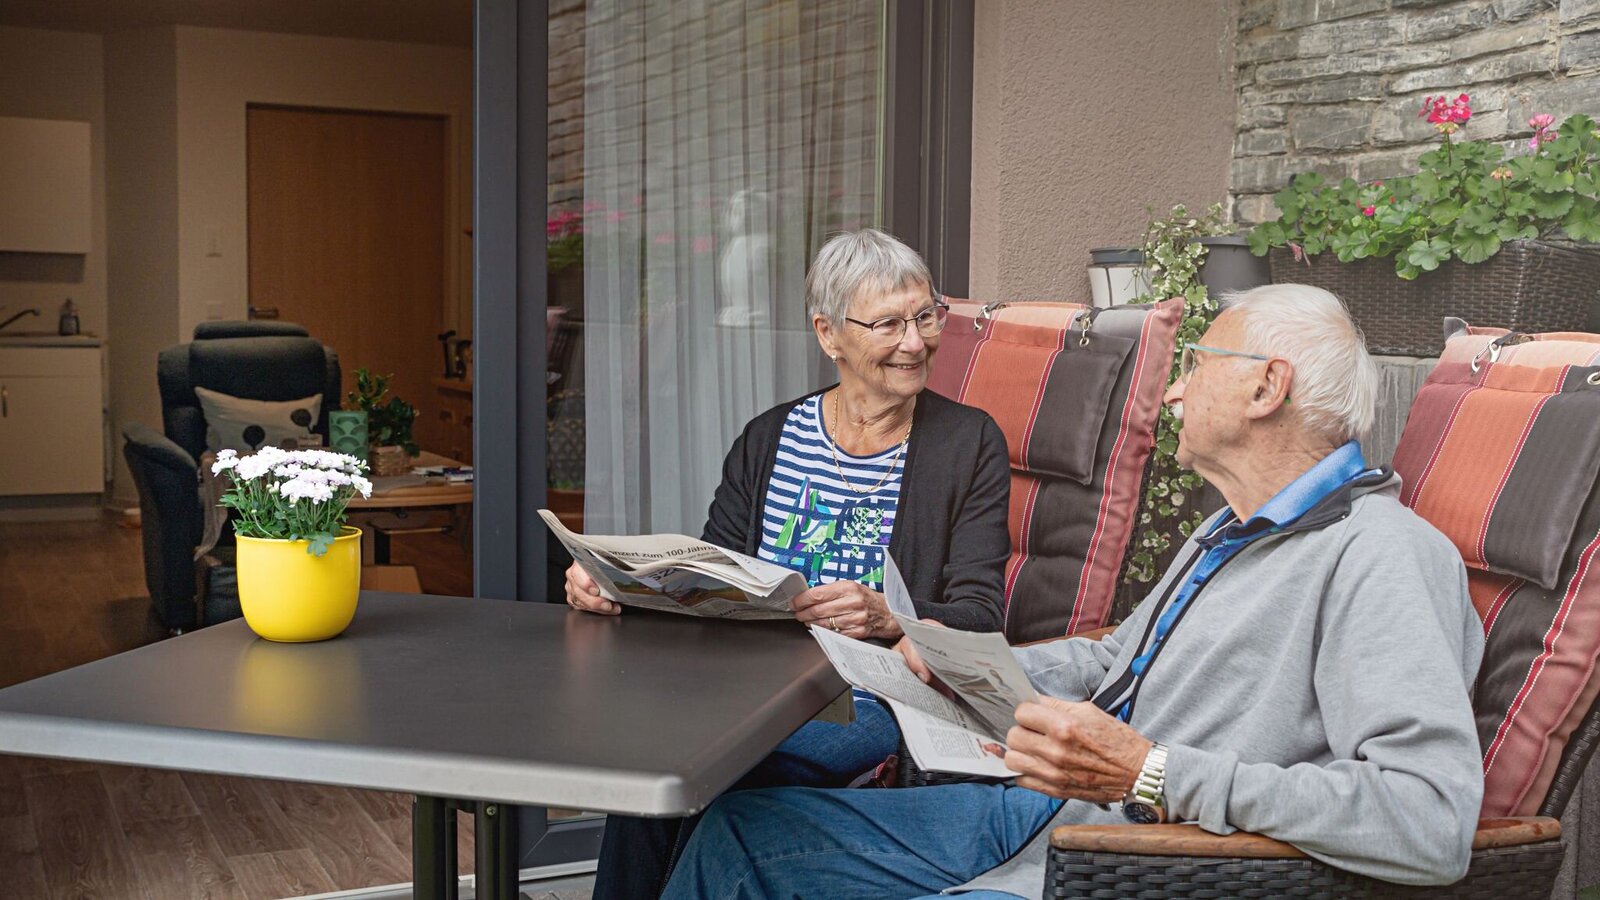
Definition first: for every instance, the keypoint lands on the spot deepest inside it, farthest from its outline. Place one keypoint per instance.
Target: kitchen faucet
(25, 312)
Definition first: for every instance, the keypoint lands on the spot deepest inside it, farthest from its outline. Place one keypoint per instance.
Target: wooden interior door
(347, 237)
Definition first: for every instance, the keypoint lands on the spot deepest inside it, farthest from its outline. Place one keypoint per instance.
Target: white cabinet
(50, 421)
(44, 186)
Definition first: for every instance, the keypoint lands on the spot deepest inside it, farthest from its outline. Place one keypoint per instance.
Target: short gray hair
(1335, 389)
(857, 261)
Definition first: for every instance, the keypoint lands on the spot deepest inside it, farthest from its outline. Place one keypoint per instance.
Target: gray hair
(1335, 389)
(857, 261)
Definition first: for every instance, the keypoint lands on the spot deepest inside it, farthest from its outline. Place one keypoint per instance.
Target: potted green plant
(1471, 234)
(299, 564)
(389, 422)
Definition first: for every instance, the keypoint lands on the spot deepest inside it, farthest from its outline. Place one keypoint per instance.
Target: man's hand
(919, 668)
(848, 608)
(1074, 751)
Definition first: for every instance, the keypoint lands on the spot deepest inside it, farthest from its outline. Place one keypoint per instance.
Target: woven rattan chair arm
(1514, 832)
(1190, 840)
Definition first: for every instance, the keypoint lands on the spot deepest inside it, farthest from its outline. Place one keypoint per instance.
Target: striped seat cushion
(1485, 455)
(1079, 415)
(1499, 453)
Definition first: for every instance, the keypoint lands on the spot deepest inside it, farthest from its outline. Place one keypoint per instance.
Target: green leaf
(1479, 219)
(319, 543)
(1519, 205)
(1260, 240)
(1406, 270)
(1552, 205)
(1444, 212)
(1582, 222)
(1427, 255)
(1472, 247)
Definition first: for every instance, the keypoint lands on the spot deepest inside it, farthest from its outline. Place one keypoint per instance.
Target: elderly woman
(828, 483)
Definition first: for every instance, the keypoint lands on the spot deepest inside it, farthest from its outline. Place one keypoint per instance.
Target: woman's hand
(848, 608)
(584, 594)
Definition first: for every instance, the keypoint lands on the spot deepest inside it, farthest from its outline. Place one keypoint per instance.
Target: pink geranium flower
(1542, 131)
(1369, 211)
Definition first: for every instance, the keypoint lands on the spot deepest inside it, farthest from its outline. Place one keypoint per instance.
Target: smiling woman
(831, 485)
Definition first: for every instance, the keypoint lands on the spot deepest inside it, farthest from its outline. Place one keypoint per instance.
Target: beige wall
(57, 75)
(220, 72)
(142, 216)
(1083, 113)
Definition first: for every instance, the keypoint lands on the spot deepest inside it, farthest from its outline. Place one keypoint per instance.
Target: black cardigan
(950, 539)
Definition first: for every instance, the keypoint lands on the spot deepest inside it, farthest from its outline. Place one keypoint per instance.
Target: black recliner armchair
(256, 360)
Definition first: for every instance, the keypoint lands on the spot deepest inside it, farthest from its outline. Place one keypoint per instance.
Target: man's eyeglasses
(1190, 359)
(891, 330)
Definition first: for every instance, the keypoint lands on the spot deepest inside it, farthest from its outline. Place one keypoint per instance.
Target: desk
(478, 700)
(389, 512)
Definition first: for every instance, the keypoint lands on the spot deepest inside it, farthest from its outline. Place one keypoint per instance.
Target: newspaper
(681, 574)
(943, 733)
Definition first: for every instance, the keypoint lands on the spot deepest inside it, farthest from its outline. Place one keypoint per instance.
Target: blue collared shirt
(1230, 535)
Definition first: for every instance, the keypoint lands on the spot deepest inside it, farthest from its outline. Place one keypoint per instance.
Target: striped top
(815, 524)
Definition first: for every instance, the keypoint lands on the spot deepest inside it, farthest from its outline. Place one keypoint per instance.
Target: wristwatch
(1146, 802)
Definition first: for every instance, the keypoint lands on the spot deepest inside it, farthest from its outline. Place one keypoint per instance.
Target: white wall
(142, 227)
(220, 72)
(57, 75)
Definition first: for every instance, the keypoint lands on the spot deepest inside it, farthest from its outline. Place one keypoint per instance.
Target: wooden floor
(74, 592)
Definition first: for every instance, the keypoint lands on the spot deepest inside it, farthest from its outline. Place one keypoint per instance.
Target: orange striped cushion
(1079, 421)
(1503, 460)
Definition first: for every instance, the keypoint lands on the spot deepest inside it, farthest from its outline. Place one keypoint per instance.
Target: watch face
(1141, 813)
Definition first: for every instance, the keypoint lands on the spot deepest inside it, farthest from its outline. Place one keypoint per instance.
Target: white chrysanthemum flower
(226, 459)
(362, 485)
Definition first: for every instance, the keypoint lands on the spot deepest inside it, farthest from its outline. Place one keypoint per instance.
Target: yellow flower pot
(291, 596)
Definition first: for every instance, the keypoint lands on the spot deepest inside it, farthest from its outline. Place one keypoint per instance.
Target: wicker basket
(392, 460)
(1528, 286)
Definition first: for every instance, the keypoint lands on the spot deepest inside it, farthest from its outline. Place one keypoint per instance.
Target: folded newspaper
(678, 573)
(943, 733)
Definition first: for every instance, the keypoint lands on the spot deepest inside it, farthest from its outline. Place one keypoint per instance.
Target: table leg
(433, 849)
(497, 851)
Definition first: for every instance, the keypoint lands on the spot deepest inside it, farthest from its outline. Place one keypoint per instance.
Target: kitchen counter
(48, 339)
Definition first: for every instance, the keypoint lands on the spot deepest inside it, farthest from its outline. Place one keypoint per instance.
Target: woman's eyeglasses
(891, 330)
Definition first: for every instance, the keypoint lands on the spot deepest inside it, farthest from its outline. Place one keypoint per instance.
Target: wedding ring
(833, 622)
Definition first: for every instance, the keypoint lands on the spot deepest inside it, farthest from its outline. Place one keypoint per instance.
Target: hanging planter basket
(1530, 286)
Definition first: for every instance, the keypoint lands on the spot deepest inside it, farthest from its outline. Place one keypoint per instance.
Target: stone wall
(565, 112)
(1334, 85)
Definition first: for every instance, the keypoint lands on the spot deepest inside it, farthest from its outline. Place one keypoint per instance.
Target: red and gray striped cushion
(1503, 461)
(1079, 419)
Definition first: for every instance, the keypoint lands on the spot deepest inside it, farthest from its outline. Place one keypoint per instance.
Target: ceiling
(446, 22)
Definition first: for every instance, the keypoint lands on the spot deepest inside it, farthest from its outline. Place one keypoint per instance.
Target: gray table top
(532, 703)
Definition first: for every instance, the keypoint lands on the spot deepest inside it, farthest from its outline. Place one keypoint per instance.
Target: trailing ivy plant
(1174, 257)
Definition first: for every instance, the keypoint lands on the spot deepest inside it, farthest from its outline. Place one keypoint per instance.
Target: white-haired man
(1301, 671)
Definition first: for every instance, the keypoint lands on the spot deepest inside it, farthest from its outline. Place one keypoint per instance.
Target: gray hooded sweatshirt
(1316, 691)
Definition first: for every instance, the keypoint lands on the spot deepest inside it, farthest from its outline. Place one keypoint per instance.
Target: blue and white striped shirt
(816, 524)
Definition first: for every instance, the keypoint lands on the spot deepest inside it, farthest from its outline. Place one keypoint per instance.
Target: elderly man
(1301, 671)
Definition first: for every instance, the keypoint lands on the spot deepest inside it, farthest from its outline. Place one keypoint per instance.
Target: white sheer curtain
(724, 140)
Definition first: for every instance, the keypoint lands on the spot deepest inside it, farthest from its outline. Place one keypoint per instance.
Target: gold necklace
(833, 445)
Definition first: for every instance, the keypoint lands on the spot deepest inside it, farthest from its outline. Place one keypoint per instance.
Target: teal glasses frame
(1188, 360)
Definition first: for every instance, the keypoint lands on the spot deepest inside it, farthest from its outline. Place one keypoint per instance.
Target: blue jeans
(637, 854)
(810, 843)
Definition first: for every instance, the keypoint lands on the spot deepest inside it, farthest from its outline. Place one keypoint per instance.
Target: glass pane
(700, 152)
